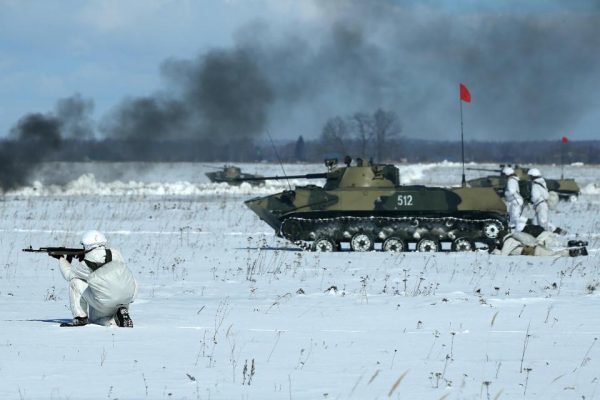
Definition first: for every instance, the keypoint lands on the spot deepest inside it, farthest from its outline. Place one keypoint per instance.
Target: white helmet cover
(93, 239)
(508, 171)
(534, 173)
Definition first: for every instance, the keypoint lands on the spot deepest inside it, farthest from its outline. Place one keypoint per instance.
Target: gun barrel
(271, 178)
(211, 166)
(485, 169)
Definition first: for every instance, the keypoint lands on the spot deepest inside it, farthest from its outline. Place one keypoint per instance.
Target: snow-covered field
(228, 311)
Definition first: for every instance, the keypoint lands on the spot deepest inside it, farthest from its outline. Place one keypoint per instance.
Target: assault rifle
(58, 252)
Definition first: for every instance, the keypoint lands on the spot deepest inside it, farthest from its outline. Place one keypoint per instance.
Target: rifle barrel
(56, 250)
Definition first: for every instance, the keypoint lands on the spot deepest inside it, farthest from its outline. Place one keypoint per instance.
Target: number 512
(405, 200)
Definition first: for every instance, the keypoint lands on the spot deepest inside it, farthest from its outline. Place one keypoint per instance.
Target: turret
(230, 174)
(362, 176)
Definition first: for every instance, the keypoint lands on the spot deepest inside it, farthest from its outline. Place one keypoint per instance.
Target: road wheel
(491, 230)
(462, 244)
(362, 241)
(428, 245)
(324, 244)
(394, 244)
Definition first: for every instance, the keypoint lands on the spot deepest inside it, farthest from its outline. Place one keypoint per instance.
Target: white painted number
(405, 200)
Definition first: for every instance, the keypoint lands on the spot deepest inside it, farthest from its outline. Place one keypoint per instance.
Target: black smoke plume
(37, 138)
(221, 95)
(533, 75)
(74, 114)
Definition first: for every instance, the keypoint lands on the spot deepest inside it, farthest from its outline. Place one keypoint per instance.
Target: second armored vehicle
(566, 189)
(233, 175)
(366, 205)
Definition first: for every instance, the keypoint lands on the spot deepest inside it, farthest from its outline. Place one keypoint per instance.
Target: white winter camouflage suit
(514, 201)
(103, 291)
(521, 243)
(539, 200)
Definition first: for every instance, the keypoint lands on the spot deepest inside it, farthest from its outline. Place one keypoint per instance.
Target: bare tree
(335, 134)
(385, 127)
(300, 150)
(363, 125)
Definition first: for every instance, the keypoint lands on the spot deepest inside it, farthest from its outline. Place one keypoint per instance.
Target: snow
(219, 292)
(591, 188)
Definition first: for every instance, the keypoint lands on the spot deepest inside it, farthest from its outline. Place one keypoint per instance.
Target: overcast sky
(247, 66)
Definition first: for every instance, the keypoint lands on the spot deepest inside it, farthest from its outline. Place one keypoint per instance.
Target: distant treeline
(300, 150)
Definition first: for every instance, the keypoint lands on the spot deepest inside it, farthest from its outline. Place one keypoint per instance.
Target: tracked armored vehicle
(233, 175)
(367, 207)
(566, 189)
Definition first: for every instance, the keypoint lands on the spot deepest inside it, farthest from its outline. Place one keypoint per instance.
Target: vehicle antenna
(279, 158)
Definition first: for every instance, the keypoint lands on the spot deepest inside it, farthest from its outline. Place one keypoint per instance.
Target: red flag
(465, 95)
(565, 140)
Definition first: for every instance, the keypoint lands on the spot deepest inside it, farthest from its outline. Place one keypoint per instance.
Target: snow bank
(416, 172)
(591, 188)
(189, 180)
(87, 185)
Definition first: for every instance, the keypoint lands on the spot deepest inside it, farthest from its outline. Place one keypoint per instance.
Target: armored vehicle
(233, 175)
(566, 189)
(366, 206)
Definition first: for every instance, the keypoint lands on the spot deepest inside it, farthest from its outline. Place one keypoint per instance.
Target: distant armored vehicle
(233, 175)
(366, 205)
(566, 189)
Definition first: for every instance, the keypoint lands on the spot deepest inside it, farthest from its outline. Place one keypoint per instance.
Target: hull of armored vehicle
(566, 189)
(367, 209)
(233, 176)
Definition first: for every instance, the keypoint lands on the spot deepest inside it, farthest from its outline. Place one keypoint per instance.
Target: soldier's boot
(77, 321)
(123, 319)
(577, 248)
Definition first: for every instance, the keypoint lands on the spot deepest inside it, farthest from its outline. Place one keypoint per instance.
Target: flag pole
(562, 161)
(462, 144)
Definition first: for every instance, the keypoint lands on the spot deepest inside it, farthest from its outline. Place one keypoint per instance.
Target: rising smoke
(37, 137)
(221, 94)
(227, 94)
(533, 75)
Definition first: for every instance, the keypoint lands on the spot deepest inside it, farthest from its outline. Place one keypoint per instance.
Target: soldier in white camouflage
(514, 200)
(101, 287)
(539, 198)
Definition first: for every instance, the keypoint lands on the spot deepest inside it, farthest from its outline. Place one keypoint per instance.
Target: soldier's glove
(66, 257)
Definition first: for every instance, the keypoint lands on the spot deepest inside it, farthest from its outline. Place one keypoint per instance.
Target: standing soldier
(539, 198)
(514, 200)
